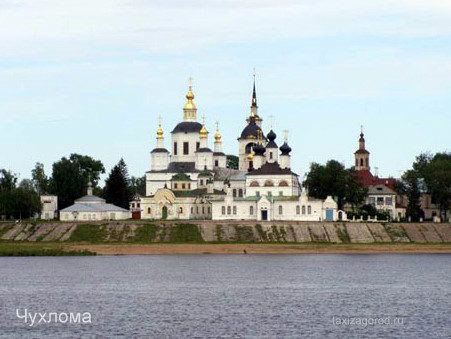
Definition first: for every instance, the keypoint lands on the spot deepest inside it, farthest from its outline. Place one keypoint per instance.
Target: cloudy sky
(92, 77)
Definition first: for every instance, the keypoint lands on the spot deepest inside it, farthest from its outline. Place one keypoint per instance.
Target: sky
(92, 77)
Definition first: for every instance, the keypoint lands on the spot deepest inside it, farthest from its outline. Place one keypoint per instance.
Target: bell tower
(362, 156)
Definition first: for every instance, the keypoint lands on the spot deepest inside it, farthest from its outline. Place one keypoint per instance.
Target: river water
(232, 296)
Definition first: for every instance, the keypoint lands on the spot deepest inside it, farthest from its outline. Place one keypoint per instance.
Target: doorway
(265, 215)
(165, 212)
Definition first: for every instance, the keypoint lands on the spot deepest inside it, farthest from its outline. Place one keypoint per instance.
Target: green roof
(181, 177)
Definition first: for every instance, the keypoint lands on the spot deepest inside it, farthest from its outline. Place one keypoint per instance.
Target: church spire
(362, 156)
(190, 110)
(254, 107)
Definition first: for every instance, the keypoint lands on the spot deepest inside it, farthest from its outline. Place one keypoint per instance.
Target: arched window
(255, 184)
(181, 210)
(223, 210)
(251, 210)
(149, 210)
(240, 192)
(229, 210)
(234, 193)
(234, 210)
(269, 183)
(249, 147)
(361, 162)
(283, 183)
(298, 209)
(303, 210)
(309, 209)
(280, 209)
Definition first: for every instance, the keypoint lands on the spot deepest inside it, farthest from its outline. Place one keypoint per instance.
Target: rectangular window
(270, 155)
(209, 210)
(197, 146)
(216, 163)
(372, 201)
(388, 201)
(298, 210)
(201, 182)
(303, 210)
(138, 205)
(251, 210)
(175, 149)
(309, 209)
(183, 186)
(203, 210)
(175, 186)
(380, 201)
(133, 205)
(148, 210)
(234, 210)
(185, 148)
(189, 186)
(280, 210)
(223, 210)
(229, 210)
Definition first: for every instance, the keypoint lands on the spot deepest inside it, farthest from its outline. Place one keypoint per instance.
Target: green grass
(186, 233)
(146, 233)
(19, 249)
(89, 233)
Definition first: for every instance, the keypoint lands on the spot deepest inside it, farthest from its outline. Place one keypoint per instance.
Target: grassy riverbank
(30, 249)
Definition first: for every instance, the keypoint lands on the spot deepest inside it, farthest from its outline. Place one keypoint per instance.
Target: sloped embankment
(210, 231)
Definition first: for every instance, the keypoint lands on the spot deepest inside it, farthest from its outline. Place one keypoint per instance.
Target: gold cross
(190, 81)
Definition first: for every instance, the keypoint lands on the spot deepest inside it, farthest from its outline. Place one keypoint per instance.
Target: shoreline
(252, 248)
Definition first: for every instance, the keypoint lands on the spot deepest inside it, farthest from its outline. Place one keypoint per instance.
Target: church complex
(192, 181)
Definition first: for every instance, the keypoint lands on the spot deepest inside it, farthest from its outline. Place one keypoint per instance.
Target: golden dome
(203, 132)
(159, 132)
(190, 96)
(217, 135)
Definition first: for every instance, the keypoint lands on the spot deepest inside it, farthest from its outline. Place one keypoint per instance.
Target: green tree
(118, 190)
(70, 177)
(333, 179)
(409, 185)
(40, 180)
(138, 185)
(232, 161)
(436, 173)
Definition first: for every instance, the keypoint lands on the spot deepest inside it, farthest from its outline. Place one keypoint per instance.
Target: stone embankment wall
(234, 231)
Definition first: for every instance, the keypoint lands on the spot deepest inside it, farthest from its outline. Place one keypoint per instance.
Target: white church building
(191, 181)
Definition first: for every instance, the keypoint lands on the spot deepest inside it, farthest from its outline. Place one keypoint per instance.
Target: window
(234, 210)
(280, 193)
(203, 210)
(283, 183)
(197, 209)
(361, 162)
(270, 155)
(181, 210)
(280, 209)
(189, 186)
(251, 210)
(209, 210)
(229, 210)
(175, 186)
(269, 183)
(183, 186)
(201, 182)
(223, 210)
(133, 205)
(372, 201)
(269, 194)
(197, 146)
(185, 148)
(249, 147)
(298, 209)
(303, 210)
(257, 193)
(138, 205)
(234, 193)
(175, 148)
(255, 184)
(240, 193)
(309, 209)
(388, 201)
(216, 163)
(380, 201)
(192, 210)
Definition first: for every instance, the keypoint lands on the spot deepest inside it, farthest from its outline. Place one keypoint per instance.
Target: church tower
(219, 158)
(190, 109)
(362, 156)
(250, 135)
(159, 155)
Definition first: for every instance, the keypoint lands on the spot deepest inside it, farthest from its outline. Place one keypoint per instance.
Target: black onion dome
(159, 150)
(271, 135)
(251, 131)
(259, 149)
(285, 149)
(361, 137)
(187, 127)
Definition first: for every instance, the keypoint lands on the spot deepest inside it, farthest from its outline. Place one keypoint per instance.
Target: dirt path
(142, 249)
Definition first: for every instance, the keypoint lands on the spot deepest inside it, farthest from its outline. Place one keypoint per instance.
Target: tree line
(68, 181)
